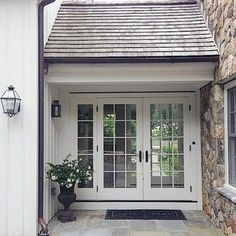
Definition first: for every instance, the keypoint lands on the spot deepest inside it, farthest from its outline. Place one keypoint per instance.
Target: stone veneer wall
(221, 18)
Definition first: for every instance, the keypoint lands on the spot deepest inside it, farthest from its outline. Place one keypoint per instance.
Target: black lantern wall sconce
(56, 109)
(11, 102)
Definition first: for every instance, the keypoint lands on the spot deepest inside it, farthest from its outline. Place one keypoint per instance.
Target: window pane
(131, 146)
(166, 112)
(85, 112)
(155, 179)
(155, 128)
(232, 123)
(85, 129)
(166, 130)
(108, 163)
(167, 164)
(167, 180)
(155, 110)
(177, 111)
(120, 163)
(131, 180)
(108, 124)
(120, 112)
(166, 145)
(85, 145)
(108, 145)
(120, 145)
(131, 163)
(120, 128)
(178, 128)
(178, 145)
(179, 179)
(108, 110)
(155, 145)
(131, 128)
(108, 179)
(120, 179)
(178, 162)
(232, 110)
(130, 112)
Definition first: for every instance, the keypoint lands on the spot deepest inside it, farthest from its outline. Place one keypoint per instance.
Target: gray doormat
(145, 215)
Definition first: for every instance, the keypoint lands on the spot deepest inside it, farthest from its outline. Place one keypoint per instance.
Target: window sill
(225, 192)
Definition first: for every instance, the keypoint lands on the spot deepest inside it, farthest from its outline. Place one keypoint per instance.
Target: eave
(179, 59)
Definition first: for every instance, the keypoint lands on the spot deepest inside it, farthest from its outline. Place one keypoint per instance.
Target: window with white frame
(231, 97)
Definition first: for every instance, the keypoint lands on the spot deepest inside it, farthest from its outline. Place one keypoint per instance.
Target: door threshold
(104, 205)
(182, 201)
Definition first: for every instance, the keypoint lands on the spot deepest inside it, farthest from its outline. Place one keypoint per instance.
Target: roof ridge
(125, 3)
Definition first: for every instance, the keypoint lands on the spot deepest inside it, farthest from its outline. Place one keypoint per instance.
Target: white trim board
(131, 73)
(134, 205)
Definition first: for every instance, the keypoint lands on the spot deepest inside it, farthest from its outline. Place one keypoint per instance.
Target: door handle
(140, 156)
(146, 156)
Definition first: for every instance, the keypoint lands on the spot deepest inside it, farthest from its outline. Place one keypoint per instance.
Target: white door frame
(193, 99)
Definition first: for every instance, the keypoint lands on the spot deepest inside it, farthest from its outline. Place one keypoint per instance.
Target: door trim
(194, 99)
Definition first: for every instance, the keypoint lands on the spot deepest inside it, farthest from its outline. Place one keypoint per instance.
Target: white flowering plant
(69, 172)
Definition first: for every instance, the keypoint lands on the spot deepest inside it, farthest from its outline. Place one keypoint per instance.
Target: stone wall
(220, 210)
(221, 18)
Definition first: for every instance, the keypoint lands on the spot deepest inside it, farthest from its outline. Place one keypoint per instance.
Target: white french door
(166, 149)
(138, 147)
(119, 149)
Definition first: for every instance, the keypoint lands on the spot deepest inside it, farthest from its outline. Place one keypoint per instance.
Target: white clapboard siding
(18, 135)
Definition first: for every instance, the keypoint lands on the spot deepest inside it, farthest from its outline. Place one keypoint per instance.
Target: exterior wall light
(56, 109)
(10, 101)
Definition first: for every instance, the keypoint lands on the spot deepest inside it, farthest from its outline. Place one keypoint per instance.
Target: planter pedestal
(66, 216)
(66, 198)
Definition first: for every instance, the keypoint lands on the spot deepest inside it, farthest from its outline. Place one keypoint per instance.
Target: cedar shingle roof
(162, 31)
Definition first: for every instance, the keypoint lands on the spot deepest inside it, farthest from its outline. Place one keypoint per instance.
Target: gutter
(41, 221)
(227, 80)
(176, 59)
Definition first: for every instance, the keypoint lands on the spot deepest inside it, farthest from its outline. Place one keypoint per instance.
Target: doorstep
(93, 223)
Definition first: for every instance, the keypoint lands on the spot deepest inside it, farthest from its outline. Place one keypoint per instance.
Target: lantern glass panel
(9, 105)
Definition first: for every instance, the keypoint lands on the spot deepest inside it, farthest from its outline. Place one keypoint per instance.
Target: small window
(232, 136)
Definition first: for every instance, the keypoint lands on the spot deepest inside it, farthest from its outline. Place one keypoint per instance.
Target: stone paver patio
(93, 223)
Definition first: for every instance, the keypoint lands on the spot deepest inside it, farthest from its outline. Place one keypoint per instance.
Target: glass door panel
(119, 140)
(165, 140)
(83, 143)
(120, 147)
(85, 139)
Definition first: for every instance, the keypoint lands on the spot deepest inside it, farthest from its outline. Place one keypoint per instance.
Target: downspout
(43, 224)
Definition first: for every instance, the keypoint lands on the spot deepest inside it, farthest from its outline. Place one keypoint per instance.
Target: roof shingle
(157, 31)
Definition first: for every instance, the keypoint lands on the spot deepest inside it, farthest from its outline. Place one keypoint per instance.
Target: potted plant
(67, 174)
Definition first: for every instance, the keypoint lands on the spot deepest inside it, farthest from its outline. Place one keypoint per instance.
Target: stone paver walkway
(93, 223)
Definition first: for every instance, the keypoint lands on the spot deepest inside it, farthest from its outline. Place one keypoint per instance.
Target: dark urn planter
(66, 198)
